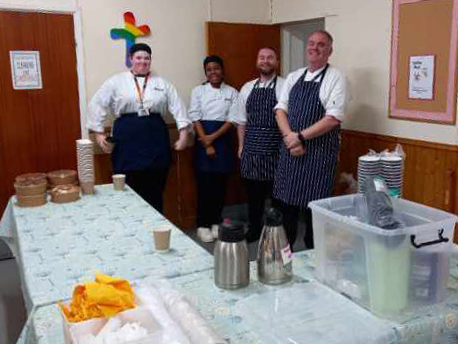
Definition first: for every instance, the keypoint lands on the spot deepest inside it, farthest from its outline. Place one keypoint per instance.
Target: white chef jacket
(214, 104)
(246, 91)
(334, 91)
(119, 95)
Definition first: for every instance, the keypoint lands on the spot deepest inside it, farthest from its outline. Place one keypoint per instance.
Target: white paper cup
(87, 187)
(119, 181)
(162, 238)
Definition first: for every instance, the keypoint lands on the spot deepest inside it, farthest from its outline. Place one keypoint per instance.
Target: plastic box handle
(429, 243)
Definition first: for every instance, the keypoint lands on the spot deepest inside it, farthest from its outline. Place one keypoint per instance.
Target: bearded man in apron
(259, 137)
(309, 113)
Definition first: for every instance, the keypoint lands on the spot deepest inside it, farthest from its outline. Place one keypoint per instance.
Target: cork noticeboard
(421, 28)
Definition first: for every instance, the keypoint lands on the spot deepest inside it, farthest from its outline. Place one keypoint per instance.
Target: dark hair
(326, 33)
(270, 48)
(139, 47)
(213, 58)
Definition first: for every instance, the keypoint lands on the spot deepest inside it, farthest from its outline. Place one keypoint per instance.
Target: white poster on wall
(26, 70)
(421, 81)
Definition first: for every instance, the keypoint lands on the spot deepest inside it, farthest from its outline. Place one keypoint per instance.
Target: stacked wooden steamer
(64, 186)
(31, 189)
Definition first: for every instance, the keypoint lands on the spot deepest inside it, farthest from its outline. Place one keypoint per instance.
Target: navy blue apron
(262, 137)
(140, 143)
(300, 180)
(223, 161)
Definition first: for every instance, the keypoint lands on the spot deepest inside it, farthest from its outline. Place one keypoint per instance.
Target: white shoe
(215, 231)
(204, 234)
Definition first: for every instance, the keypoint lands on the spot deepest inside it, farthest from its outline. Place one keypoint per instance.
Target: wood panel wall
(430, 168)
(430, 175)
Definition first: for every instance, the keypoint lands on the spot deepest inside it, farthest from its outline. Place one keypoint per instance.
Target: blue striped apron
(140, 143)
(300, 180)
(223, 161)
(262, 136)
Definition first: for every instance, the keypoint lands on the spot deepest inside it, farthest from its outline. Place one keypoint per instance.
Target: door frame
(79, 49)
(286, 40)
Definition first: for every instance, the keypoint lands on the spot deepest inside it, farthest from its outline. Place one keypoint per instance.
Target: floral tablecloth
(60, 245)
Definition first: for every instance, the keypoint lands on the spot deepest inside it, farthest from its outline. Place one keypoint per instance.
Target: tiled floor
(12, 309)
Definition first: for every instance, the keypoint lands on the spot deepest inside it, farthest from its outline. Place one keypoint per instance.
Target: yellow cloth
(105, 297)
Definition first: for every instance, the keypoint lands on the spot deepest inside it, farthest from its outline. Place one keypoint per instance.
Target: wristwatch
(301, 138)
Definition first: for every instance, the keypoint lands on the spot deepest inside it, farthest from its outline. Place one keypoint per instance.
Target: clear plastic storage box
(386, 271)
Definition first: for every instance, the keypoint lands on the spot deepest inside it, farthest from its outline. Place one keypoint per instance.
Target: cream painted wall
(241, 11)
(177, 34)
(362, 32)
(177, 39)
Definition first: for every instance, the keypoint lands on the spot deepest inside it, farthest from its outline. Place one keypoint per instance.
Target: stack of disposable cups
(84, 150)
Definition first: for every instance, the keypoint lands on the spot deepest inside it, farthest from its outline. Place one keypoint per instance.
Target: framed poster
(26, 70)
(423, 71)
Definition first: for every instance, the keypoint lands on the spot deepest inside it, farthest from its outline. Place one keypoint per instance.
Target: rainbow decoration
(130, 33)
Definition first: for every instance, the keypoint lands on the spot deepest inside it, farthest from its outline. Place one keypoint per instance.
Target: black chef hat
(139, 47)
(213, 58)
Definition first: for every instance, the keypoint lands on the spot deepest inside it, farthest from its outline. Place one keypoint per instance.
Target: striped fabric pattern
(300, 180)
(262, 136)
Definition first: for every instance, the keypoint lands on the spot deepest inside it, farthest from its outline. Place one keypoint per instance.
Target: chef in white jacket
(139, 100)
(213, 110)
(259, 137)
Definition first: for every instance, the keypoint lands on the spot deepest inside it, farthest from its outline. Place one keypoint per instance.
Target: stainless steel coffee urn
(232, 266)
(274, 259)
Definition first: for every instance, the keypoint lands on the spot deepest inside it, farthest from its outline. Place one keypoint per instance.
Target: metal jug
(232, 266)
(274, 258)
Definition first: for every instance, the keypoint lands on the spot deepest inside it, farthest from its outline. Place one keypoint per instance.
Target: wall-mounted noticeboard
(423, 79)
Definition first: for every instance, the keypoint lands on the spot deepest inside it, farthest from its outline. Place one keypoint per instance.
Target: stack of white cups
(84, 150)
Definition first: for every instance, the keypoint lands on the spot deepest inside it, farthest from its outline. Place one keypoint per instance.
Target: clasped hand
(206, 140)
(293, 144)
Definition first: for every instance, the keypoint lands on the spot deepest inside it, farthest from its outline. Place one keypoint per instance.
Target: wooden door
(238, 46)
(38, 127)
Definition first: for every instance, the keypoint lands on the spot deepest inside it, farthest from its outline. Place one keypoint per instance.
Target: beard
(267, 70)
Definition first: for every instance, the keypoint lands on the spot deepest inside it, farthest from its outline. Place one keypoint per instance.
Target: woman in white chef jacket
(138, 100)
(213, 109)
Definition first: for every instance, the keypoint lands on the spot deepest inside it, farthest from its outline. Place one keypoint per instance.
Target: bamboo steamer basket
(30, 190)
(62, 177)
(52, 186)
(31, 201)
(31, 179)
(65, 193)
